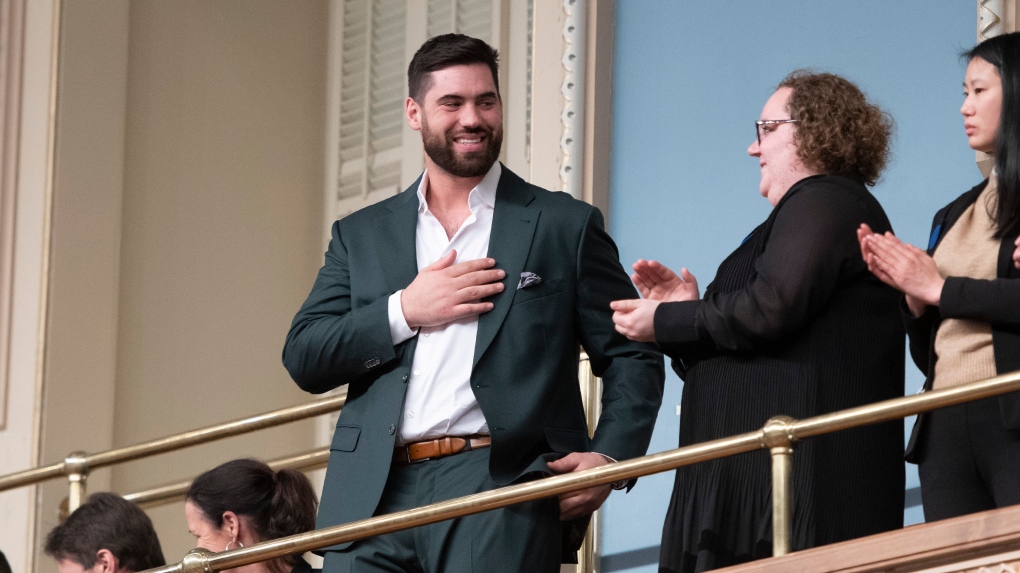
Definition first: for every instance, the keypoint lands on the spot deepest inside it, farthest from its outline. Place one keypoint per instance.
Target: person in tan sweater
(962, 302)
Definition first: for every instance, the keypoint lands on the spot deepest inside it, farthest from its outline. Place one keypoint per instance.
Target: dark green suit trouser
(521, 537)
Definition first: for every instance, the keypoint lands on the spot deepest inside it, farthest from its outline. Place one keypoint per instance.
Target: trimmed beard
(439, 148)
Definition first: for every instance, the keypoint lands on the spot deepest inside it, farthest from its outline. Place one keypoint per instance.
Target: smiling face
(207, 535)
(236, 532)
(460, 119)
(777, 152)
(982, 105)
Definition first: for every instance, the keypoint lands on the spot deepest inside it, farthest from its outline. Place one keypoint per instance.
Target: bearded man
(455, 313)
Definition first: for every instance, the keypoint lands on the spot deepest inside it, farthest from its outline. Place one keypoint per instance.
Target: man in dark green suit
(455, 312)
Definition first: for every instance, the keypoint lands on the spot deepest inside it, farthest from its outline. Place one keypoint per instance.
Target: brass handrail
(312, 459)
(78, 465)
(778, 434)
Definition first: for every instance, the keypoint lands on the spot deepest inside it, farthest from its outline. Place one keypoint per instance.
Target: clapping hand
(656, 281)
(635, 318)
(903, 267)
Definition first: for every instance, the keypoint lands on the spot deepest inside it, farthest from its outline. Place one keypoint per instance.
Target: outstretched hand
(635, 318)
(578, 504)
(903, 267)
(444, 292)
(1016, 253)
(656, 281)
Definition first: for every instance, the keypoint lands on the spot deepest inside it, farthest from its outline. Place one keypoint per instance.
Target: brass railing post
(588, 557)
(777, 436)
(196, 561)
(76, 467)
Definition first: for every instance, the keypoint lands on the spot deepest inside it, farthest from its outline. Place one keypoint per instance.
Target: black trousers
(521, 537)
(968, 462)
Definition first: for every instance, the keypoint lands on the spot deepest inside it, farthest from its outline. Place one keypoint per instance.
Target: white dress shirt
(439, 401)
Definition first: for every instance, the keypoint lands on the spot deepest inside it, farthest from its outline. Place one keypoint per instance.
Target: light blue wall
(690, 79)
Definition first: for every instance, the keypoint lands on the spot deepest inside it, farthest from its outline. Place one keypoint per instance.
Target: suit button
(405, 377)
(372, 362)
(392, 429)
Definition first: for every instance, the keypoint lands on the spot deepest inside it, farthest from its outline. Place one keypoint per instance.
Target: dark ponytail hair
(1003, 52)
(276, 504)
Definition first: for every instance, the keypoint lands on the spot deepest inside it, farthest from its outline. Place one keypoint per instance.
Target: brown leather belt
(438, 448)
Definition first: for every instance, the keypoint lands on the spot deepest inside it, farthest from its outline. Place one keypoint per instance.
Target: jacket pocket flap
(566, 441)
(345, 438)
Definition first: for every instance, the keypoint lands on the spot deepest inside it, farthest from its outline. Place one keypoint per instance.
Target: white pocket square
(528, 279)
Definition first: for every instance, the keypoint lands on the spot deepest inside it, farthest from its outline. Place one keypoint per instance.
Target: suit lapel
(395, 234)
(513, 227)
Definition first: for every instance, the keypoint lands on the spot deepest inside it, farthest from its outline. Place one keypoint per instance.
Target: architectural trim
(573, 92)
(991, 18)
(12, 32)
(598, 104)
(994, 17)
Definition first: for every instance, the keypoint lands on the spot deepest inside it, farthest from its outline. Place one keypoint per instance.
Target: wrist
(409, 318)
(617, 485)
(935, 295)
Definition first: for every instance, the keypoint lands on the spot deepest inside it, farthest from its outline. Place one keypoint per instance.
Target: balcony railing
(77, 465)
(779, 436)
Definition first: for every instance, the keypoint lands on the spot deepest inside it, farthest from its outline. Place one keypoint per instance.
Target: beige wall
(85, 239)
(187, 215)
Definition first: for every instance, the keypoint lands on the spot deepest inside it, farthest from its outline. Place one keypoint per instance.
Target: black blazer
(996, 301)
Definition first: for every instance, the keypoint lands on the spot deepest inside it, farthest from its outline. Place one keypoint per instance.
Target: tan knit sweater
(964, 347)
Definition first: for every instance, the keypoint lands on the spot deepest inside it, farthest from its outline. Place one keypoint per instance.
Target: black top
(996, 301)
(792, 324)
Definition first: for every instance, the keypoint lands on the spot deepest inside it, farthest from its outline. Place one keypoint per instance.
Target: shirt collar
(483, 194)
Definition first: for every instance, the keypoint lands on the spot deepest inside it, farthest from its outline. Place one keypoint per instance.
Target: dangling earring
(235, 542)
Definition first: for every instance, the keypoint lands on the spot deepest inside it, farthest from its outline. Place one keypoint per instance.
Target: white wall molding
(991, 18)
(12, 31)
(19, 439)
(573, 92)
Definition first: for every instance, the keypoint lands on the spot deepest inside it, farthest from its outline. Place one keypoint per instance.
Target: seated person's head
(107, 534)
(243, 502)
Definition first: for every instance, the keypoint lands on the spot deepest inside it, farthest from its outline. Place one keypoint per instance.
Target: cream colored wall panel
(80, 360)
(221, 232)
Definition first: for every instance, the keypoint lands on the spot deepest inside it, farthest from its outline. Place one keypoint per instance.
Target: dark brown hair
(838, 131)
(107, 521)
(441, 52)
(276, 504)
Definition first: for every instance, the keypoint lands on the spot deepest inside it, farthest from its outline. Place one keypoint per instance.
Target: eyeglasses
(763, 122)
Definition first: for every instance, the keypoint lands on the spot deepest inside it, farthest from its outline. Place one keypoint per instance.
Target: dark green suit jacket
(526, 354)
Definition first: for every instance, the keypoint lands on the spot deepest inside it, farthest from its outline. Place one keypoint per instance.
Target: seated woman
(793, 324)
(963, 302)
(243, 502)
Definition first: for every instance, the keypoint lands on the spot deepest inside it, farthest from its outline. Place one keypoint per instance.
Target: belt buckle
(406, 458)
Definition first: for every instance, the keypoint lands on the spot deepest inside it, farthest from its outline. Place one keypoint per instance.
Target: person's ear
(106, 562)
(231, 525)
(412, 112)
